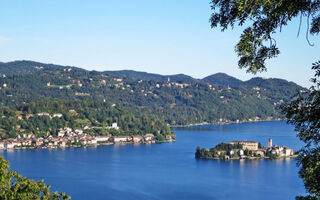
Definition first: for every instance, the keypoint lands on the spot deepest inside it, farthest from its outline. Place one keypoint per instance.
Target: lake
(168, 170)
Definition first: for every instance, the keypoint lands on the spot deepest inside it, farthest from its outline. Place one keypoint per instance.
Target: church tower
(270, 143)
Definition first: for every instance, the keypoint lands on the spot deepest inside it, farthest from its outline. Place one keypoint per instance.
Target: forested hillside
(44, 118)
(24, 67)
(177, 102)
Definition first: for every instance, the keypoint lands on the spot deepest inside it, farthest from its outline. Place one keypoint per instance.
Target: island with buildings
(245, 150)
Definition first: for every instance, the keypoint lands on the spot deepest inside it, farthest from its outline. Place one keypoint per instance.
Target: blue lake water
(168, 171)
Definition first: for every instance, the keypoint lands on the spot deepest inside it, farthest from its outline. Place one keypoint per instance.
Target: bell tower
(270, 143)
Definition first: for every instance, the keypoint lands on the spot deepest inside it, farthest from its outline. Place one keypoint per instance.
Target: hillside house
(59, 115)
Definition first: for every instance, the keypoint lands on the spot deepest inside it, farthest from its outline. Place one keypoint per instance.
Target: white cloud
(4, 40)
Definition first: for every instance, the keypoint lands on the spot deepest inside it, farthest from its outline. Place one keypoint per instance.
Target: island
(55, 123)
(245, 150)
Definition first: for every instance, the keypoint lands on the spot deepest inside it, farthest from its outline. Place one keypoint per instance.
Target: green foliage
(264, 18)
(218, 151)
(247, 152)
(149, 76)
(38, 118)
(13, 186)
(303, 112)
(227, 147)
(198, 152)
(195, 103)
(26, 67)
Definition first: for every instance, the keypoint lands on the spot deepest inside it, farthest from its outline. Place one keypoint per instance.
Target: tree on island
(13, 186)
(256, 45)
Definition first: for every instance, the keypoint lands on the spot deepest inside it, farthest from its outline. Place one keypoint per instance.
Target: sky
(156, 36)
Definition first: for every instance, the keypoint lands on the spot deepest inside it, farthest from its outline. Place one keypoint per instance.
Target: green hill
(149, 76)
(176, 102)
(45, 117)
(222, 79)
(24, 67)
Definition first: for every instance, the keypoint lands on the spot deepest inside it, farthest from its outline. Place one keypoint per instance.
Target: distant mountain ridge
(222, 79)
(25, 66)
(150, 76)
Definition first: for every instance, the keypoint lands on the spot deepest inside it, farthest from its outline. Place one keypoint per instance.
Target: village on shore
(67, 137)
(236, 150)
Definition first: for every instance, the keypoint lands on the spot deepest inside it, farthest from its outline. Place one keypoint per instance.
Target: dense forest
(176, 99)
(44, 118)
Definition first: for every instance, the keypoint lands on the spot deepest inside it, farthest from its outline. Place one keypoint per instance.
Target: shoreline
(86, 145)
(223, 123)
(79, 139)
(250, 158)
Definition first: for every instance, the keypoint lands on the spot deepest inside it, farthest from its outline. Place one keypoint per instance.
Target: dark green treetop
(303, 112)
(265, 18)
(14, 186)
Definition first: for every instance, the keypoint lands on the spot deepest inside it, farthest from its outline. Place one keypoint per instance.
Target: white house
(288, 151)
(93, 141)
(67, 129)
(9, 145)
(137, 139)
(57, 115)
(60, 133)
(115, 126)
(117, 139)
(43, 114)
(16, 144)
(148, 137)
(102, 138)
(78, 131)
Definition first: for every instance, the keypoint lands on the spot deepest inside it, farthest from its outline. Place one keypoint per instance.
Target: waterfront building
(137, 139)
(148, 137)
(102, 138)
(259, 153)
(117, 139)
(249, 145)
(9, 145)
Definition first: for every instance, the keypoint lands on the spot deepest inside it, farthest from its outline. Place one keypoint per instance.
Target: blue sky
(158, 36)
